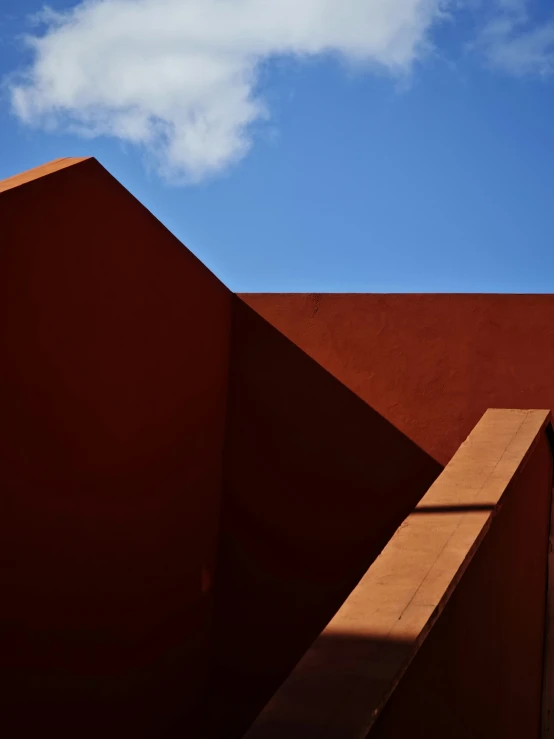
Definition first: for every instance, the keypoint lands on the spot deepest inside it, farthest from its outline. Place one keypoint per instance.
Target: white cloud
(513, 43)
(180, 77)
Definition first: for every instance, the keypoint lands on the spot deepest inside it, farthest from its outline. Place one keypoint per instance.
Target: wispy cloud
(514, 42)
(179, 78)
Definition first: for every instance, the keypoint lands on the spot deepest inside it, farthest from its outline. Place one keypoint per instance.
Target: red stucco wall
(315, 483)
(112, 393)
(430, 364)
(479, 673)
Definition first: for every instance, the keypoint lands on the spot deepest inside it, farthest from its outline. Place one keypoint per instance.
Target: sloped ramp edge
(345, 680)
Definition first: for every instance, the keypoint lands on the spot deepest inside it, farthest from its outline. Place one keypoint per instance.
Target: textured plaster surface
(430, 364)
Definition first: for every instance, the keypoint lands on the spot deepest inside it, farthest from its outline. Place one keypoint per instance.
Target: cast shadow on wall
(315, 484)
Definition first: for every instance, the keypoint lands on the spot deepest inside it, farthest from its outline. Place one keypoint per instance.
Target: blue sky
(328, 145)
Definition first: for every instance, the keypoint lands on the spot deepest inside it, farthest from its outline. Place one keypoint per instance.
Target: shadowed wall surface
(112, 389)
(430, 364)
(479, 673)
(315, 483)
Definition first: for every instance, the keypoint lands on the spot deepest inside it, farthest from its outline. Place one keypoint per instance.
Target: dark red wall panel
(113, 385)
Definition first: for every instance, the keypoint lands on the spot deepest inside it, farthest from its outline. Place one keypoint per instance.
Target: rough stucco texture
(479, 673)
(112, 388)
(315, 483)
(430, 364)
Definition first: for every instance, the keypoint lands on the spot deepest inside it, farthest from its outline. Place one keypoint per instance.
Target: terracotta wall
(430, 364)
(479, 673)
(315, 483)
(112, 393)
(124, 418)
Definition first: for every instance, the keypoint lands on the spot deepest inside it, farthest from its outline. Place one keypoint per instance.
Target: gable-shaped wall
(112, 394)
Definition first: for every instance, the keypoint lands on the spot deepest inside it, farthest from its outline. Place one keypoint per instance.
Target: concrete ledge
(42, 171)
(343, 682)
